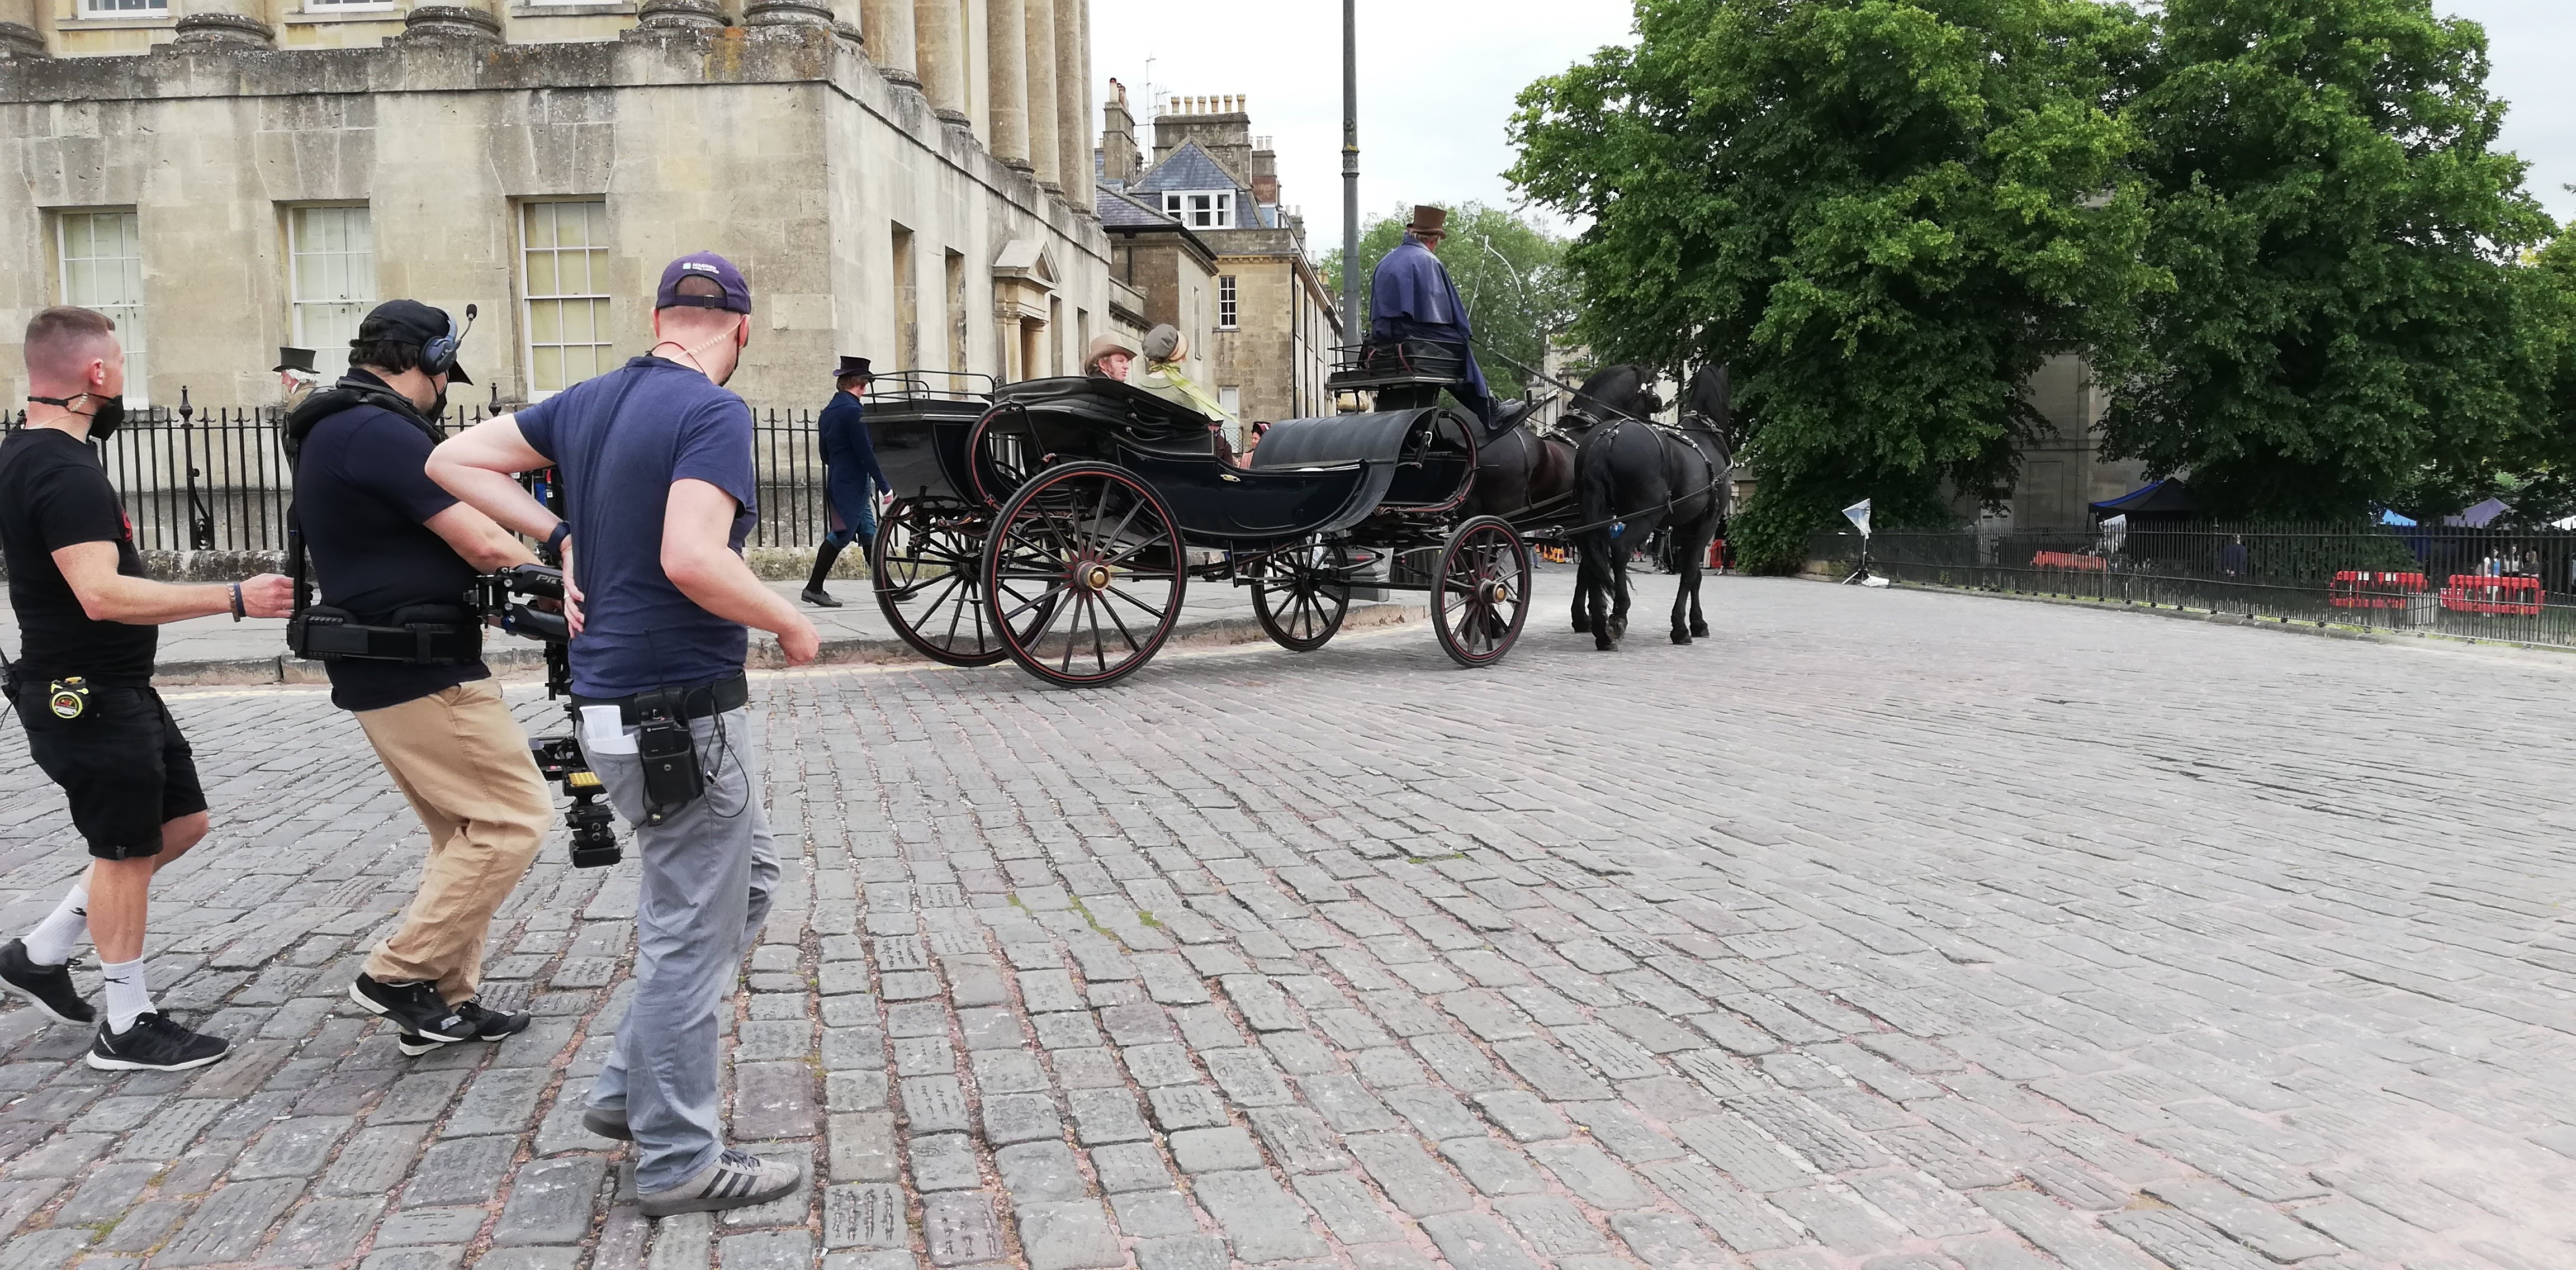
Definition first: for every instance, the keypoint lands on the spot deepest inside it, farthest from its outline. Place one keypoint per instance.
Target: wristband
(555, 541)
(237, 602)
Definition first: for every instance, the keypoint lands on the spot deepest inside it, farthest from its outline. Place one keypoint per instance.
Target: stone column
(889, 32)
(19, 34)
(222, 24)
(1007, 86)
(1073, 102)
(470, 21)
(1046, 155)
(939, 40)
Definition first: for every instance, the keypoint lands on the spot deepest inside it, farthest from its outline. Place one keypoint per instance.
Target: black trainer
(49, 987)
(487, 1025)
(415, 1007)
(155, 1044)
(607, 1122)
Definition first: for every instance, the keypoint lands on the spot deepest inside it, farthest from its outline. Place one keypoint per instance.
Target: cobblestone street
(1884, 928)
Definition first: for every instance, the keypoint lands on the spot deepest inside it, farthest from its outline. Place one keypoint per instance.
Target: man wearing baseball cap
(656, 463)
(388, 546)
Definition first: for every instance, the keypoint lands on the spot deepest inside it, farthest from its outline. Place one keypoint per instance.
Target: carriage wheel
(929, 578)
(1002, 454)
(1483, 592)
(1302, 594)
(1087, 569)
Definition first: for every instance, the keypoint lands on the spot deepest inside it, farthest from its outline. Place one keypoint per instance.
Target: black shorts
(122, 762)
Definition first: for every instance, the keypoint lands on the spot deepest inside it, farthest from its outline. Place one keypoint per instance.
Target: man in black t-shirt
(385, 538)
(83, 689)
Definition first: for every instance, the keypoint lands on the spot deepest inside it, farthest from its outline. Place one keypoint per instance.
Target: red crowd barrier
(2373, 589)
(2068, 560)
(2480, 593)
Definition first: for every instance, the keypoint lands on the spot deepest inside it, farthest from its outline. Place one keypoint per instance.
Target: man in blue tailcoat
(851, 477)
(1412, 299)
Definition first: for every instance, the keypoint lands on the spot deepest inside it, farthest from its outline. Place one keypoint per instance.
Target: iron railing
(2512, 585)
(214, 478)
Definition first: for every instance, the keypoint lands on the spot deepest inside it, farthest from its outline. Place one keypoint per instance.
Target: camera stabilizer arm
(504, 596)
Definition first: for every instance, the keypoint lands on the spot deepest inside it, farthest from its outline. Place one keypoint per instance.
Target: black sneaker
(49, 987)
(154, 1044)
(415, 1007)
(487, 1025)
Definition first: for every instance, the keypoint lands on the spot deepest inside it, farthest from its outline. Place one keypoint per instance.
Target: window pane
(545, 321)
(547, 369)
(541, 225)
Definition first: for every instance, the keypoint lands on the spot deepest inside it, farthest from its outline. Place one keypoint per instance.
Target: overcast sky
(1438, 79)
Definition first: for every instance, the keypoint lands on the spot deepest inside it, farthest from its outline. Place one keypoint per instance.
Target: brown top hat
(1429, 220)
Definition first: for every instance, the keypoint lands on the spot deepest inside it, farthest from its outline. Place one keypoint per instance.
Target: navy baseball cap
(731, 294)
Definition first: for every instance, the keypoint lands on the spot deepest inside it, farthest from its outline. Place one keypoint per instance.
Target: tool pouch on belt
(672, 777)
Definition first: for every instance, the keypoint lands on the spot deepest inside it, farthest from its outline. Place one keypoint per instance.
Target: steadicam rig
(509, 599)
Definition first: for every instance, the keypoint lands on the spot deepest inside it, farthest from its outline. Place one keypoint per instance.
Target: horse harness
(1617, 522)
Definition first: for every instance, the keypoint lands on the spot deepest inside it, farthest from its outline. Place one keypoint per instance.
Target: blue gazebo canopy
(2168, 497)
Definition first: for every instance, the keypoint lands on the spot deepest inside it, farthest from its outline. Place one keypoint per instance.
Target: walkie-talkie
(672, 777)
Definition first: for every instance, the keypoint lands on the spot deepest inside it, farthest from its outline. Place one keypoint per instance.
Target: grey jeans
(709, 871)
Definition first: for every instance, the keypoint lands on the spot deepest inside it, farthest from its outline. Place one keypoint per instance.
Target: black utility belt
(420, 635)
(704, 702)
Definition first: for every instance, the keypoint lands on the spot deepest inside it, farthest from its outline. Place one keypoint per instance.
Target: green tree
(1886, 214)
(1510, 273)
(2347, 326)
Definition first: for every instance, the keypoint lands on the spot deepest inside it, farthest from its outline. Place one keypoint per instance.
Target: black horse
(1632, 478)
(1612, 393)
(1520, 471)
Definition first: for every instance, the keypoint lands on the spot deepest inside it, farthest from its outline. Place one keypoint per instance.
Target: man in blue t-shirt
(388, 544)
(656, 463)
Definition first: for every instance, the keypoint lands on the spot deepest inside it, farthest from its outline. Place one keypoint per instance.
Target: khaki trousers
(463, 761)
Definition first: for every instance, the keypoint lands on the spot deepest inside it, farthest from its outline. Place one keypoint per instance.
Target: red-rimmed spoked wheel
(929, 578)
(1086, 571)
(1482, 592)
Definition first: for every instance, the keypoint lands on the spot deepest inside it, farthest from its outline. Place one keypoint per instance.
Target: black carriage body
(1308, 476)
(920, 427)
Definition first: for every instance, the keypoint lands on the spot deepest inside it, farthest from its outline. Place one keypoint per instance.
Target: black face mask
(437, 409)
(105, 413)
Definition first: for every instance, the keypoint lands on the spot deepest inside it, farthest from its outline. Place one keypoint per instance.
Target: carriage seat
(1130, 412)
(1336, 439)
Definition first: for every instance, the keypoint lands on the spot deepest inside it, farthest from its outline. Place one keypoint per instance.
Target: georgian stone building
(909, 180)
(1203, 233)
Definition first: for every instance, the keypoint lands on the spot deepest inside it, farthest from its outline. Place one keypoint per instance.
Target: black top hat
(298, 359)
(852, 366)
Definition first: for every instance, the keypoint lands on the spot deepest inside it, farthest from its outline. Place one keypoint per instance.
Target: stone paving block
(1185, 1252)
(1668, 1241)
(2183, 1243)
(1068, 1235)
(2056, 1230)
(865, 1215)
(1299, 1139)
(1154, 1214)
(959, 1228)
(230, 1223)
(1473, 1241)
(767, 1250)
(460, 1171)
(429, 1226)
(1412, 1179)
(1214, 1150)
(550, 1201)
(1178, 1107)
(862, 1147)
(943, 1162)
(1843, 1222)
(1744, 1221)
(1130, 1167)
(1261, 1221)
(324, 1231)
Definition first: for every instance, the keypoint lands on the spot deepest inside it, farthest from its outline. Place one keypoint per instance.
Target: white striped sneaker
(738, 1179)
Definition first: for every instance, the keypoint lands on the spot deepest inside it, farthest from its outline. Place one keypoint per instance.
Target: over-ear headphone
(438, 357)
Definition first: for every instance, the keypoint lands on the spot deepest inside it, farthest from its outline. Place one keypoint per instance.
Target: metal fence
(214, 478)
(2513, 585)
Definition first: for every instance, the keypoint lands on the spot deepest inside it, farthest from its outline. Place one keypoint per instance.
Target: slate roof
(1191, 168)
(1120, 210)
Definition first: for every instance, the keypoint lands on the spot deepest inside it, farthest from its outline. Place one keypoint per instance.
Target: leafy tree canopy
(2347, 327)
(1510, 272)
(1884, 213)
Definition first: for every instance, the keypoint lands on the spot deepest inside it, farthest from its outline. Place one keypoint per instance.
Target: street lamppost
(1350, 172)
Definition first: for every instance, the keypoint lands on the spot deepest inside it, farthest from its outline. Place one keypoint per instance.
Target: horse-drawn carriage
(1059, 522)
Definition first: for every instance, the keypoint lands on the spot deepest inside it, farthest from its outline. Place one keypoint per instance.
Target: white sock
(126, 994)
(54, 938)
